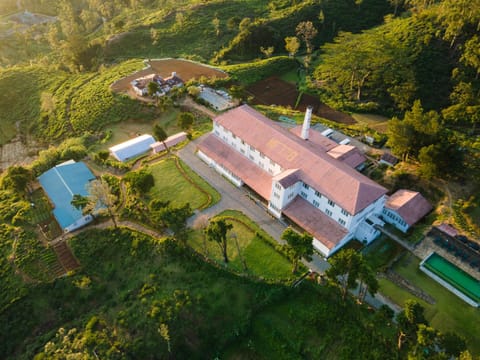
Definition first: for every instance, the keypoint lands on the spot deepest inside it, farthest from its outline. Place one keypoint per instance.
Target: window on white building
(304, 195)
(242, 151)
(243, 142)
(252, 148)
(251, 157)
(276, 195)
(317, 194)
(331, 203)
(278, 186)
(291, 195)
(262, 156)
(233, 135)
(272, 163)
(316, 203)
(345, 212)
(306, 186)
(341, 222)
(328, 212)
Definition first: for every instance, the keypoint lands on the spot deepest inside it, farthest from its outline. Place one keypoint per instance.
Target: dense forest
(416, 62)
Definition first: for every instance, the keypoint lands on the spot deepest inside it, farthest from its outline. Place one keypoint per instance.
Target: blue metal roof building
(61, 183)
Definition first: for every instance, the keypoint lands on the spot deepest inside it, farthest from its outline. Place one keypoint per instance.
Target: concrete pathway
(233, 198)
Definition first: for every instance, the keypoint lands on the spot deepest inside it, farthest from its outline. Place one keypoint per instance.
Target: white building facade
(296, 180)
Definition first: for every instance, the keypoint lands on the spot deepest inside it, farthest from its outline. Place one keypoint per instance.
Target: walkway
(233, 198)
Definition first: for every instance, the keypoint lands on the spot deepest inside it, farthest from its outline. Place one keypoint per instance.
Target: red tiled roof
(316, 139)
(288, 177)
(348, 154)
(447, 229)
(410, 205)
(339, 182)
(252, 175)
(315, 222)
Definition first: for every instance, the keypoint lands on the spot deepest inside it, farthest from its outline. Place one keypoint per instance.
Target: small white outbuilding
(132, 148)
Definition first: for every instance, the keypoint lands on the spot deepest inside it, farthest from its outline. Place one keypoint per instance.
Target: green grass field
(375, 122)
(449, 313)
(379, 253)
(260, 257)
(172, 185)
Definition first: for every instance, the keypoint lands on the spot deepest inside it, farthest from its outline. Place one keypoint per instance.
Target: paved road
(238, 199)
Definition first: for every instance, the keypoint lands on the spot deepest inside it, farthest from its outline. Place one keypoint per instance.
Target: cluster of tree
(267, 33)
(421, 135)
(430, 55)
(350, 271)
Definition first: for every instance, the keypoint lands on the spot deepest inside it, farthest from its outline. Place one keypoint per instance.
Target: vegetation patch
(449, 313)
(172, 185)
(250, 249)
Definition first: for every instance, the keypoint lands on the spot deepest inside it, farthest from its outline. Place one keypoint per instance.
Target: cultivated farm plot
(185, 69)
(275, 91)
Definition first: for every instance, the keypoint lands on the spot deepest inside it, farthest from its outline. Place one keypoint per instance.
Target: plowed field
(275, 91)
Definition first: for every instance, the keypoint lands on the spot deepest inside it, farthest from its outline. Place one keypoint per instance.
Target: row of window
(395, 217)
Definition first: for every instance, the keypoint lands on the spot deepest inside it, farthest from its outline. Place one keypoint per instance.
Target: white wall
(392, 217)
(246, 150)
(220, 169)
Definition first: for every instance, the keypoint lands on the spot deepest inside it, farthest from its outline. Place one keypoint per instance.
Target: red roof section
(316, 139)
(348, 154)
(410, 205)
(288, 178)
(315, 222)
(339, 182)
(252, 175)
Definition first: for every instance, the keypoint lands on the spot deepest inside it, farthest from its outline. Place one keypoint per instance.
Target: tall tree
(299, 246)
(345, 269)
(216, 25)
(292, 44)
(268, 51)
(217, 231)
(17, 179)
(175, 218)
(368, 281)
(417, 129)
(307, 32)
(160, 135)
(79, 202)
(408, 321)
(140, 181)
(101, 198)
(185, 120)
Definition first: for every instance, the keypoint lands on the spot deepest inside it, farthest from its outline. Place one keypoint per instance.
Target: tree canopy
(298, 246)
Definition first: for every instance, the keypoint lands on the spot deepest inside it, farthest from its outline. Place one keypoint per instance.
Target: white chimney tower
(306, 123)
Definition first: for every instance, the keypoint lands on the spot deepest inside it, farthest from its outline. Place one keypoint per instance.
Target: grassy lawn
(260, 257)
(450, 313)
(290, 76)
(375, 122)
(128, 129)
(171, 185)
(379, 253)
